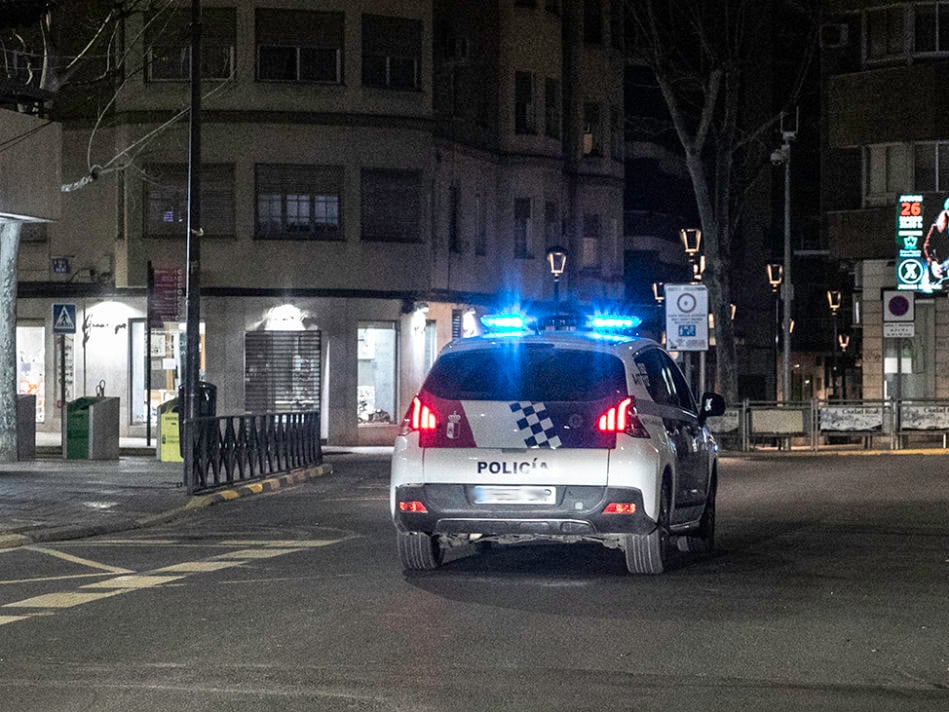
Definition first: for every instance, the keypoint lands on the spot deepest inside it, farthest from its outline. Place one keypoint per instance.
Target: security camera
(777, 157)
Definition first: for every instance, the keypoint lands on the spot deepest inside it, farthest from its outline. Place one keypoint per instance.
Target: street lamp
(557, 259)
(833, 301)
(698, 269)
(775, 277)
(657, 292)
(782, 156)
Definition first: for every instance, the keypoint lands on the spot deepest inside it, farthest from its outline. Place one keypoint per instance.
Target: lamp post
(775, 277)
(782, 156)
(833, 301)
(658, 293)
(557, 260)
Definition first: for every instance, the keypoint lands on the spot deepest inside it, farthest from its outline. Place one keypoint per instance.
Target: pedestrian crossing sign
(64, 318)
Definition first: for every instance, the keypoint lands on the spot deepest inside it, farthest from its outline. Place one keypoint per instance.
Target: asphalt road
(829, 592)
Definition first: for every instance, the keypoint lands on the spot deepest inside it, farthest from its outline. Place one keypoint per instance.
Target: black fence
(234, 449)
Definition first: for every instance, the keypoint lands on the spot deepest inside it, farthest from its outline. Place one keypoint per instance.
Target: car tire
(650, 553)
(419, 551)
(702, 541)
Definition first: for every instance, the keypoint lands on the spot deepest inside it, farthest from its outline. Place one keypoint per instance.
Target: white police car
(560, 435)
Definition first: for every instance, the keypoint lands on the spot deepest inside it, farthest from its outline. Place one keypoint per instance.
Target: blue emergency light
(615, 323)
(504, 323)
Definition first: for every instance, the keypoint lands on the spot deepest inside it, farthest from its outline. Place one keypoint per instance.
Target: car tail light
(413, 506)
(419, 417)
(620, 508)
(622, 418)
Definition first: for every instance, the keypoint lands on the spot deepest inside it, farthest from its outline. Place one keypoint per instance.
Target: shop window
(166, 200)
(592, 130)
(31, 366)
(167, 361)
(298, 202)
(523, 103)
(168, 38)
(392, 52)
(931, 27)
(300, 46)
(282, 371)
(522, 228)
(884, 33)
(377, 371)
(552, 108)
(590, 243)
(391, 205)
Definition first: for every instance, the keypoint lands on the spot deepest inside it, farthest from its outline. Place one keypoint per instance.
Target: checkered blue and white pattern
(535, 425)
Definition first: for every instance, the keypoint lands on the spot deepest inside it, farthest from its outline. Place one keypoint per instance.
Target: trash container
(25, 427)
(92, 429)
(169, 442)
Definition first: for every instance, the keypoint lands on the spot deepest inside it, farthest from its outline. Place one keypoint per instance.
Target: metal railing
(239, 448)
(820, 423)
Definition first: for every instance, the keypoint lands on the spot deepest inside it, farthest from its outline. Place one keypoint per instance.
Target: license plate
(486, 494)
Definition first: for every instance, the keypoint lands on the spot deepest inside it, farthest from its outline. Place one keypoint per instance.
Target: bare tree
(704, 55)
(76, 49)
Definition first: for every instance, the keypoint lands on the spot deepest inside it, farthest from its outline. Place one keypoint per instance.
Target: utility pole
(193, 285)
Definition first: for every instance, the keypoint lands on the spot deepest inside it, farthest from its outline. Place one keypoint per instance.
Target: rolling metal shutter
(282, 371)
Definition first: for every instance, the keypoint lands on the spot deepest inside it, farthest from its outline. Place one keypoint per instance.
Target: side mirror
(712, 405)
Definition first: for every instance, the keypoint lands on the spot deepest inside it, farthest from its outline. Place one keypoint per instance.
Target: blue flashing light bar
(501, 323)
(615, 323)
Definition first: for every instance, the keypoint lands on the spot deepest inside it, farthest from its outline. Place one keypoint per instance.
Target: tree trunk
(9, 247)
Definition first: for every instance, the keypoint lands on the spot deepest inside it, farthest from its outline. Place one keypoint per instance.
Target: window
(552, 108)
(168, 38)
(166, 361)
(931, 167)
(590, 243)
(166, 200)
(31, 366)
(664, 380)
(391, 52)
(282, 371)
(616, 133)
(887, 171)
(298, 202)
(300, 46)
(454, 207)
(551, 223)
(592, 131)
(931, 27)
(593, 21)
(523, 103)
(884, 33)
(391, 205)
(376, 372)
(522, 227)
(481, 236)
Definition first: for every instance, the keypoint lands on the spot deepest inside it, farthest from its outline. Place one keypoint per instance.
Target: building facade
(886, 140)
(375, 174)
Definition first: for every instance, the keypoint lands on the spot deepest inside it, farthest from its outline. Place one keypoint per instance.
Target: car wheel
(702, 541)
(419, 551)
(650, 553)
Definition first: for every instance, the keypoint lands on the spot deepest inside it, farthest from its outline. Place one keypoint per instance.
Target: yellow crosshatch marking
(11, 619)
(133, 581)
(256, 553)
(199, 567)
(78, 560)
(67, 599)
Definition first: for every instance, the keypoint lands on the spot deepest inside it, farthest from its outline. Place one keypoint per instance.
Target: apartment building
(375, 174)
(886, 142)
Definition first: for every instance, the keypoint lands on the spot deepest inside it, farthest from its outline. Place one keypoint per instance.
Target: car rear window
(521, 372)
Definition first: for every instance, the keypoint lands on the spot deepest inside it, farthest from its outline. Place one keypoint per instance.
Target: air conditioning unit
(834, 35)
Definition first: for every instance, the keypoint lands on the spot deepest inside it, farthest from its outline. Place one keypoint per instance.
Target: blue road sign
(64, 318)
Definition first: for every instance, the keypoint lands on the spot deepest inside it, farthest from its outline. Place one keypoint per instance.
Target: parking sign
(686, 317)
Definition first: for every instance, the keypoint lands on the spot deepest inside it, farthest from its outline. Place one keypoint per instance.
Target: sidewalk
(50, 498)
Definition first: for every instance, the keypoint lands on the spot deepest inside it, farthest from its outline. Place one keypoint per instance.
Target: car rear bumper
(578, 511)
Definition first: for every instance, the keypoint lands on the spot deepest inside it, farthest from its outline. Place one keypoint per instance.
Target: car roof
(579, 340)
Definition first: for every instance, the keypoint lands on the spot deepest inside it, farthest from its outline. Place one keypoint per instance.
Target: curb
(762, 454)
(81, 531)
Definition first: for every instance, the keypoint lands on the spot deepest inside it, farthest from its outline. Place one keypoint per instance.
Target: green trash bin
(77, 428)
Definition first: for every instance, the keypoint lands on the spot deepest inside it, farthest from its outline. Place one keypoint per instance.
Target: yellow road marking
(282, 544)
(42, 579)
(133, 581)
(66, 599)
(199, 567)
(11, 619)
(255, 553)
(79, 560)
